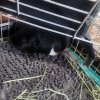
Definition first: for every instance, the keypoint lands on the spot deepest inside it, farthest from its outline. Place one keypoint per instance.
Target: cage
(78, 20)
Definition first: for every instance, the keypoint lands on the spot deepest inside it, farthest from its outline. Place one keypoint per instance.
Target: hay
(58, 77)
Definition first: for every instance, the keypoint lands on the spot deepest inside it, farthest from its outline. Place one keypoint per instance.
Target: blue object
(89, 71)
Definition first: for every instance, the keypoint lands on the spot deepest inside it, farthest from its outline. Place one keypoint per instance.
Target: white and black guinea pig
(31, 39)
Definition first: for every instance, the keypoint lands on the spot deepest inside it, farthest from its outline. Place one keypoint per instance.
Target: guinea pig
(31, 39)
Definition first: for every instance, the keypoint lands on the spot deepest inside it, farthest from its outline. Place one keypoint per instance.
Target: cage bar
(16, 19)
(54, 31)
(18, 8)
(66, 6)
(87, 17)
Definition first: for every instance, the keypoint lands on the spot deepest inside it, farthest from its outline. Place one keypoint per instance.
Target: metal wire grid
(94, 25)
(96, 68)
(2, 26)
(18, 4)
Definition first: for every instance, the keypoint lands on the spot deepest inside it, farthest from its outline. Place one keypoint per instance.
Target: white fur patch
(52, 52)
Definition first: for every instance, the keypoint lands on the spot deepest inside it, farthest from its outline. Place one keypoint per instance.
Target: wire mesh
(17, 7)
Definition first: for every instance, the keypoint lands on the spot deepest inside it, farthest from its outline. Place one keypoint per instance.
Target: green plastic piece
(88, 70)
